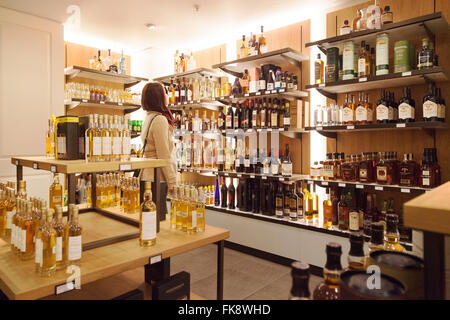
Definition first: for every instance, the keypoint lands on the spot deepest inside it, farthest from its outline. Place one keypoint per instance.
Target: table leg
(157, 194)
(94, 190)
(434, 260)
(19, 175)
(220, 268)
(72, 188)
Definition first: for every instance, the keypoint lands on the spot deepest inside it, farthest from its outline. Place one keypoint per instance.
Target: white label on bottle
(379, 188)
(183, 93)
(347, 114)
(96, 146)
(106, 146)
(117, 145)
(148, 225)
(315, 172)
(9, 215)
(391, 113)
(426, 181)
(23, 240)
(274, 168)
(237, 162)
(61, 141)
(362, 67)
(59, 249)
(126, 145)
(277, 84)
(269, 87)
(194, 219)
(38, 252)
(405, 111)
(75, 248)
(247, 163)
(86, 150)
(425, 173)
(361, 114)
(354, 221)
(382, 112)
(287, 121)
(262, 84)
(430, 109)
(286, 169)
(266, 170)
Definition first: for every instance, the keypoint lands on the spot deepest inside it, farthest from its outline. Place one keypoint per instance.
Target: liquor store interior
(237, 150)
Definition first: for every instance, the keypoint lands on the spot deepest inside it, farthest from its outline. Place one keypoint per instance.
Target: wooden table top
(18, 279)
(81, 166)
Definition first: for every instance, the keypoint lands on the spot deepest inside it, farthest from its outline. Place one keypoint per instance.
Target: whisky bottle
(55, 192)
(319, 70)
(315, 205)
(74, 243)
(106, 138)
(353, 219)
(88, 140)
(308, 206)
(383, 108)
(361, 110)
(95, 146)
(173, 207)
(286, 165)
(356, 257)
(48, 243)
(59, 227)
(300, 281)
(50, 140)
(327, 210)
(430, 105)
(392, 236)
(293, 203)
(200, 210)
(262, 42)
(3, 204)
(116, 136)
(27, 230)
(38, 240)
(425, 59)
(409, 171)
(377, 235)
(348, 112)
(185, 208)
(147, 219)
(407, 107)
(192, 211)
(343, 213)
(279, 202)
(329, 288)
(179, 207)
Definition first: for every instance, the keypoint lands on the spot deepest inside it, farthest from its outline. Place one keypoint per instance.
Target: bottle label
(148, 225)
(287, 121)
(277, 84)
(274, 168)
(361, 114)
(183, 93)
(126, 145)
(382, 173)
(106, 149)
(23, 240)
(425, 181)
(9, 215)
(194, 219)
(61, 141)
(270, 86)
(354, 221)
(266, 170)
(57, 199)
(96, 146)
(247, 163)
(430, 109)
(362, 67)
(117, 146)
(262, 85)
(382, 112)
(315, 172)
(254, 118)
(391, 113)
(363, 173)
(317, 71)
(87, 151)
(347, 114)
(405, 111)
(286, 169)
(349, 59)
(74, 248)
(59, 249)
(38, 252)
(274, 119)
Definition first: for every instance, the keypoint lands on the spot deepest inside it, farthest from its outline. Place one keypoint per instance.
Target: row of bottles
(186, 90)
(87, 91)
(187, 208)
(372, 17)
(381, 167)
(357, 259)
(36, 231)
(184, 62)
(108, 138)
(253, 46)
(108, 63)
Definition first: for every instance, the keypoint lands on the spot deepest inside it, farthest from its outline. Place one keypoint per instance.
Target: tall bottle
(224, 194)
(106, 138)
(262, 42)
(192, 211)
(55, 192)
(38, 240)
(329, 288)
(327, 210)
(231, 196)
(59, 227)
(308, 206)
(48, 238)
(286, 164)
(319, 70)
(407, 107)
(50, 140)
(116, 138)
(300, 281)
(200, 210)
(74, 243)
(147, 219)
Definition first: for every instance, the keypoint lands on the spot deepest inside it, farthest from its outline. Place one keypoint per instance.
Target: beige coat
(159, 146)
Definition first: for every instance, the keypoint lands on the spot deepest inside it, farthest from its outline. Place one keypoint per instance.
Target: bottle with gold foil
(59, 227)
(22, 191)
(201, 211)
(55, 192)
(38, 253)
(48, 238)
(392, 236)
(26, 244)
(329, 288)
(148, 219)
(192, 211)
(74, 243)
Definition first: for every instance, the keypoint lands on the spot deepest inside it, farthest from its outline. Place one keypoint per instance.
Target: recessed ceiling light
(150, 26)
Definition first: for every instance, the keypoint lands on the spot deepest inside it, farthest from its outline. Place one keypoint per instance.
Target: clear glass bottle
(148, 219)
(329, 288)
(26, 244)
(200, 210)
(74, 243)
(59, 227)
(38, 240)
(48, 239)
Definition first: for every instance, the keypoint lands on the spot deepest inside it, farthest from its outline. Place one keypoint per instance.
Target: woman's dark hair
(153, 100)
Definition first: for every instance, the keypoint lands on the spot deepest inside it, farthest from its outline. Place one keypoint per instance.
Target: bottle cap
(300, 270)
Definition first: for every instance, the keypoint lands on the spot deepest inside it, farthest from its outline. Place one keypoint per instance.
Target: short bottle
(329, 288)
(377, 237)
(392, 236)
(356, 257)
(300, 281)
(345, 29)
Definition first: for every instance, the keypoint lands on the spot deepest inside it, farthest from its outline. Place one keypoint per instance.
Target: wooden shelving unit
(125, 107)
(74, 72)
(195, 73)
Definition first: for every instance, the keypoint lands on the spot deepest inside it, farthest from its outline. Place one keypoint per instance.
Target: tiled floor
(245, 277)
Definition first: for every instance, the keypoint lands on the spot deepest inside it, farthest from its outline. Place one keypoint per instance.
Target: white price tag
(191, 102)
(406, 74)
(185, 103)
(17, 162)
(324, 183)
(246, 95)
(53, 169)
(342, 185)
(120, 104)
(35, 166)
(66, 287)
(198, 171)
(231, 97)
(282, 90)
(102, 102)
(269, 130)
(155, 259)
(179, 103)
(198, 101)
(282, 179)
(258, 94)
(362, 79)
(401, 125)
(319, 128)
(379, 188)
(252, 177)
(264, 177)
(84, 100)
(125, 167)
(359, 186)
(350, 127)
(405, 190)
(274, 91)
(226, 174)
(322, 85)
(239, 175)
(268, 92)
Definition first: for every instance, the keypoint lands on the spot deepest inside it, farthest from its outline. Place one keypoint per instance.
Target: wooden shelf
(74, 72)
(429, 212)
(277, 57)
(195, 73)
(127, 107)
(212, 104)
(367, 186)
(400, 79)
(415, 28)
(81, 166)
(287, 94)
(215, 172)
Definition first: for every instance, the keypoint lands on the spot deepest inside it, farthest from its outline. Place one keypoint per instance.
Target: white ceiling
(120, 24)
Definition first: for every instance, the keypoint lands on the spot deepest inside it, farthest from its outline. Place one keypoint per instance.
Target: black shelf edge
(405, 23)
(373, 127)
(367, 186)
(296, 224)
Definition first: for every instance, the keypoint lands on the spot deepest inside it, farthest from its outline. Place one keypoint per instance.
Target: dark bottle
(263, 115)
(286, 163)
(382, 112)
(253, 114)
(300, 200)
(442, 106)
(274, 114)
(406, 107)
(256, 202)
(177, 92)
(257, 163)
(293, 203)
(230, 117)
(237, 117)
(217, 193)
(231, 196)
(343, 213)
(366, 168)
(430, 174)
(287, 114)
(236, 89)
(329, 289)
(224, 194)
(244, 115)
(348, 170)
(248, 195)
(377, 237)
(356, 258)
(384, 169)
(368, 215)
(241, 195)
(262, 82)
(393, 108)
(183, 90)
(405, 232)
(430, 105)
(382, 216)
(300, 281)
(269, 114)
(279, 198)
(409, 171)
(280, 114)
(335, 206)
(221, 119)
(270, 81)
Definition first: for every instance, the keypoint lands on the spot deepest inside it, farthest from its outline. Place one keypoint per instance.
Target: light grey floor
(245, 276)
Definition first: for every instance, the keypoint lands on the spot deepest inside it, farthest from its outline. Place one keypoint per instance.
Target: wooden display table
(18, 279)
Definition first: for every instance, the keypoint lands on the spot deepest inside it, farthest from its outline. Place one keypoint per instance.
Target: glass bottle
(362, 112)
(286, 165)
(356, 257)
(348, 111)
(26, 243)
(300, 281)
(308, 206)
(201, 210)
(329, 288)
(377, 235)
(148, 219)
(59, 227)
(430, 105)
(408, 171)
(55, 192)
(425, 59)
(192, 211)
(279, 202)
(48, 239)
(327, 210)
(50, 140)
(293, 203)
(38, 239)
(74, 242)
(366, 168)
(385, 170)
(315, 205)
(363, 61)
(301, 200)
(357, 21)
(392, 236)
(345, 29)
(319, 70)
(387, 17)
(343, 213)
(262, 42)
(231, 196)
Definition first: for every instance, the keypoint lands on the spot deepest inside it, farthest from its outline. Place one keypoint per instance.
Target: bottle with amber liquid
(430, 173)
(59, 227)
(392, 236)
(348, 170)
(26, 244)
(279, 202)
(55, 192)
(366, 168)
(327, 210)
(382, 170)
(356, 257)
(300, 281)
(329, 288)
(408, 171)
(308, 206)
(148, 219)
(74, 242)
(48, 238)
(315, 205)
(377, 237)
(343, 213)
(319, 70)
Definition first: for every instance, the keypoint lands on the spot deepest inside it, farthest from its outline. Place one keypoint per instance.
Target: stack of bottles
(108, 190)
(253, 46)
(184, 62)
(108, 63)
(36, 231)
(187, 208)
(184, 90)
(87, 91)
(108, 138)
(381, 168)
(128, 191)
